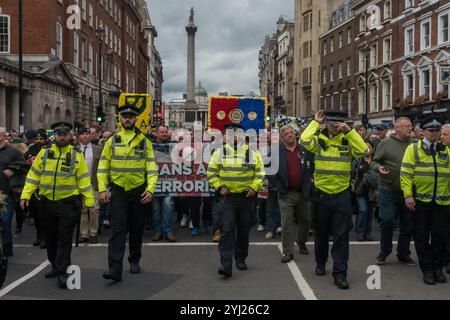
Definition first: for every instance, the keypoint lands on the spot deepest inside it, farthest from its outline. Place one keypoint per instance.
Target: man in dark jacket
(8, 155)
(293, 182)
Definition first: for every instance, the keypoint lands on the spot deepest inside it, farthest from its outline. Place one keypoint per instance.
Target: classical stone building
(120, 28)
(312, 18)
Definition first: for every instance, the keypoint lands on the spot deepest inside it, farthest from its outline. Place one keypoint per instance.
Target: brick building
(118, 27)
(404, 45)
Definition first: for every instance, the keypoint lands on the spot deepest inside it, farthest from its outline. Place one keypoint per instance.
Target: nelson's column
(191, 29)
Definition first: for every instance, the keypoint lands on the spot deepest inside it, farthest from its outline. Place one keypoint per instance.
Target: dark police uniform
(333, 210)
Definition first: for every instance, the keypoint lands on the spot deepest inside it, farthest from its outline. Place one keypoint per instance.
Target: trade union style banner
(251, 113)
(141, 101)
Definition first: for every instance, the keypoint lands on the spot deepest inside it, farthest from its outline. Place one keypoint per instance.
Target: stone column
(31, 119)
(191, 29)
(15, 110)
(2, 106)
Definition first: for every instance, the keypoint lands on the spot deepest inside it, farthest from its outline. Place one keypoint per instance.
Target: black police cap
(42, 133)
(62, 126)
(336, 115)
(431, 123)
(129, 110)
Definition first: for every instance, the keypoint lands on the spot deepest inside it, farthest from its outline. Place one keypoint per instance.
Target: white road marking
(28, 276)
(304, 287)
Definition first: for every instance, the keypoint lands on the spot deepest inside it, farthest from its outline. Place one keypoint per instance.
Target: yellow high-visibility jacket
(128, 161)
(333, 157)
(59, 173)
(236, 169)
(424, 178)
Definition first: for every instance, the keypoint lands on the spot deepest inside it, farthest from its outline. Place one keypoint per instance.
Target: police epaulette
(47, 146)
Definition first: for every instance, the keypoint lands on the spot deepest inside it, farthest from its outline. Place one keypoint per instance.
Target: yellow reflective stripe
(231, 179)
(305, 143)
(237, 169)
(152, 172)
(431, 165)
(212, 177)
(86, 175)
(408, 165)
(213, 169)
(121, 158)
(259, 177)
(35, 171)
(127, 170)
(32, 181)
(332, 159)
(103, 158)
(332, 172)
(102, 171)
(151, 159)
(88, 188)
(406, 174)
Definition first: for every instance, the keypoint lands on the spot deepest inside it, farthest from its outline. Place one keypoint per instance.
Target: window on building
(119, 47)
(5, 33)
(324, 75)
(409, 40)
(409, 85)
(324, 48)
(306, 18)
(409, 4)
(387, 10)
(443, 27)
(341, 39)
(387, 94)
(374, 55)
(425, 83)
(83, 54)
(373, 97)
(331, 44)
(349, 35)
(59, 40)
(387, 51)
(425, 37)
(331, 73)
(83, 10)
(306, 49)
(91, 59)
(76, 45)
(349, 67)
(361, 100)
(341, 69)
(106, 35)
(362, 60)
(362, 23)
(91, 16)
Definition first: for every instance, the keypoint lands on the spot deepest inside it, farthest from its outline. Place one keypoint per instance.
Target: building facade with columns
(51, 34)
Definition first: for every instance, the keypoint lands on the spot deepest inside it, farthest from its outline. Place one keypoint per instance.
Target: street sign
(444, 74)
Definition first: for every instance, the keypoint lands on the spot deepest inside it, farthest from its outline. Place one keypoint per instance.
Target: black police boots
(112, 276)
(341, 282)
(241, 265)
(135, 268)
(62, 280)
(51, 274)
(225, 273)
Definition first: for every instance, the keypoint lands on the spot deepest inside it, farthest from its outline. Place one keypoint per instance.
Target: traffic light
(100, 115)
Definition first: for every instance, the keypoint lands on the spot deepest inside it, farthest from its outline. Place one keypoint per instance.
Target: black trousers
(35, 211)
(430, 232)
(59, 219)
(236, 214)
(127, 216)
(333, 215)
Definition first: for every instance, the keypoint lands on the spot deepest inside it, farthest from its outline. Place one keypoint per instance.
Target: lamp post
(365, 118)
(21, 114)
(296, 83)
(100, 34)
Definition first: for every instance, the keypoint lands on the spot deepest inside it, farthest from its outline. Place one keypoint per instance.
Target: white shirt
(88, 155)
(428, 143)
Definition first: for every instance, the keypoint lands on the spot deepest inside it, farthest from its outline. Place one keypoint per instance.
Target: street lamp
(21, 114)
(100, 116)
(296, 83)
(365, 118)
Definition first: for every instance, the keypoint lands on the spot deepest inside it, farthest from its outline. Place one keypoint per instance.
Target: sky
(229, 37)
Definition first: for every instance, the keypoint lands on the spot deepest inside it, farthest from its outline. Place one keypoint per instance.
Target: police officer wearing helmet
(334, 148)
(128, 163)
(236, 173)
(425, 174)
(61, 174)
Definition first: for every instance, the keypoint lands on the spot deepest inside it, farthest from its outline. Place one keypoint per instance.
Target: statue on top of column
(191, 17)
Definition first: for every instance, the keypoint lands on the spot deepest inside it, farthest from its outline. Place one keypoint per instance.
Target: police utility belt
(319, 195)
